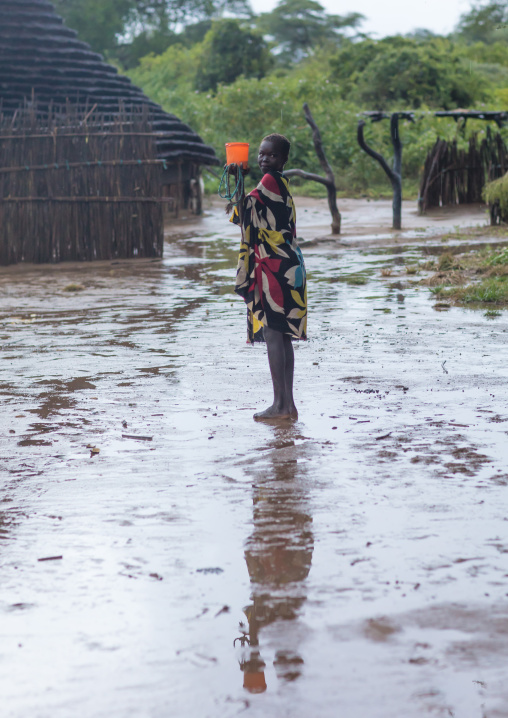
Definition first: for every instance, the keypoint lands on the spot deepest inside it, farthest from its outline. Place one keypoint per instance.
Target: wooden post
(397, 171)
(329, 180)
(395, 174)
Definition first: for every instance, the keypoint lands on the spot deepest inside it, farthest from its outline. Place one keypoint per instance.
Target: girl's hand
(233, 168)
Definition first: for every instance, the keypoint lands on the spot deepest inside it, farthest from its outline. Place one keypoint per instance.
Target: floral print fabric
(271, 274)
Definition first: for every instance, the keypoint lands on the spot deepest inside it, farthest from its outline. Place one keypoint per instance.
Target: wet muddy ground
(361, 551)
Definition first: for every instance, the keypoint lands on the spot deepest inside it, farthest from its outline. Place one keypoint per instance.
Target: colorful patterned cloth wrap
(271, 274)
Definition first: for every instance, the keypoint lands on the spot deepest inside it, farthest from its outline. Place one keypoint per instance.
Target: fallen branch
(50, 558)
(385, 436)
(137, 438)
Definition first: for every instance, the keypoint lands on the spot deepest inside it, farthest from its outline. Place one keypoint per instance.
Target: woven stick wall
(453, 176)
(75, 187)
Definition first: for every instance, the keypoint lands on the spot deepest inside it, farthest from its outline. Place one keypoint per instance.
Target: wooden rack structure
(450, 175)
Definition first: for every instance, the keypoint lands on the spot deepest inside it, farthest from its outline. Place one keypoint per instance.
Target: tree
(147, 42)
(299, 26)
(484, 23)
(98, 22)
(329, 179)
(394, 173)
(192, 34)
(171, 74)
(229, 50)
(408, 72)
(161, 14)
(108, 25)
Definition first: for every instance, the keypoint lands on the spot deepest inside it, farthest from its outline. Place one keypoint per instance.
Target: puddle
(352, 564)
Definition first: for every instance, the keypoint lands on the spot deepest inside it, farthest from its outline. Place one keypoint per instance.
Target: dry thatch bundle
(496, 194)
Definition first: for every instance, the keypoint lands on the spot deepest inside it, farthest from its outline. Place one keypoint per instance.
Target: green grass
(463, 234)
(477, 277)
(356, 280)
(446, 262)
(497, 259)
(489, 291)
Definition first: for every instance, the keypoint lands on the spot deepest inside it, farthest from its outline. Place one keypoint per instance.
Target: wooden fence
(454, 176)
(78, 187)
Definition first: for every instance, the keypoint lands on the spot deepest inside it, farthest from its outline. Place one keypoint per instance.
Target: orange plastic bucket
(237, 153)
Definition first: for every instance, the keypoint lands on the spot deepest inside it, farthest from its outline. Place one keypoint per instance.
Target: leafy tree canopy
(98, 22)
(299, 26)
(424, 71)
(147, 42)
(484, 22)
(161, 14)
(494, 53)
(102, 23)
(228, 52)
(172, 73)
(408, 72)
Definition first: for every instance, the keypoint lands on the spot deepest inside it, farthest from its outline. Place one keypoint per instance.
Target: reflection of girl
(271, 274)
(278, 554)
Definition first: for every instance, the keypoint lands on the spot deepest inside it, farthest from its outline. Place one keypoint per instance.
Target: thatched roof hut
(41, 57)
(87, 161)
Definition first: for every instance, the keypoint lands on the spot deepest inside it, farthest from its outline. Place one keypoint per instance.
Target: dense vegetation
(238, 78)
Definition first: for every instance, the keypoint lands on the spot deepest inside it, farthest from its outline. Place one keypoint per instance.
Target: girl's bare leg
(281, 362)
(289, 374)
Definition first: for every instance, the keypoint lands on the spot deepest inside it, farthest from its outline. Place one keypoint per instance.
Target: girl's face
(270, 157)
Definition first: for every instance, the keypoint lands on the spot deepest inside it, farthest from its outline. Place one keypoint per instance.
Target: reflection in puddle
(278, 555)
(143, 387)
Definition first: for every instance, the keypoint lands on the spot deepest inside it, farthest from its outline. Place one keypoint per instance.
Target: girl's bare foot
(274, 412)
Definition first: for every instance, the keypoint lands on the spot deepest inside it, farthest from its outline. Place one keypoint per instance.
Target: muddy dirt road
(364, 549)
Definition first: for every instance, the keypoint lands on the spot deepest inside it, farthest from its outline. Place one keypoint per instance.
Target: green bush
(497, 192)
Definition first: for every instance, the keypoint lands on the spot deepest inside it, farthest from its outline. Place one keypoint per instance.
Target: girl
(271, 274)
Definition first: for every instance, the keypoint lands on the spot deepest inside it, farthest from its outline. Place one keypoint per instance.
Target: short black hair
(281, 141)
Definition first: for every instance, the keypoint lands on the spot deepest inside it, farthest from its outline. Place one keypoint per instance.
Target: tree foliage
(161, 14)
(229, 51)
(297, 27)
(406, 71)
(484, 23)
(172, 73)
(129, 29)
(250, 108)
(98, 22)
(241, 78)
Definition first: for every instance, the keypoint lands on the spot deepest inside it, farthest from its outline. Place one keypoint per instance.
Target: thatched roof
(41, 57)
